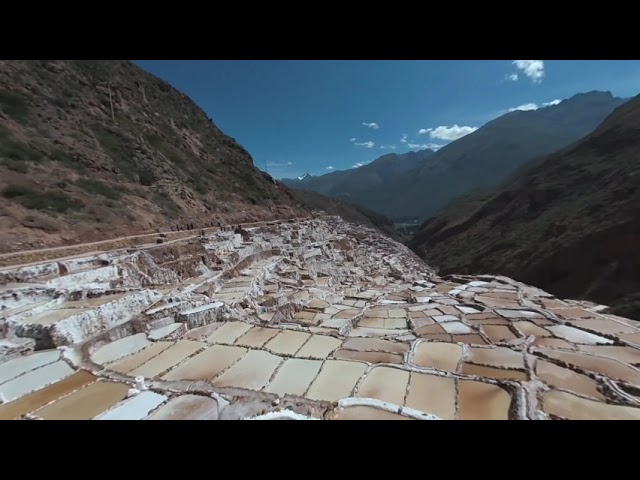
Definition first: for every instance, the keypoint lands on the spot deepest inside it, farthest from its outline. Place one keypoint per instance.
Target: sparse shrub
(99, 188)
(166, 204)
(146, 178)
(47, 201)
(14, 105)
(67, 159)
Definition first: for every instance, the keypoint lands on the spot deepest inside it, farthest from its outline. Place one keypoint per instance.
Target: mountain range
(417, 185)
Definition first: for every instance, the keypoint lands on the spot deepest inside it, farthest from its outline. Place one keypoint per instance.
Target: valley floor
(317, 319)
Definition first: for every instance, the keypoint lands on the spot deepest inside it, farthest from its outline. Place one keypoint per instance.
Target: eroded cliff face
(568, 224)
(95, 149)
(313, 319)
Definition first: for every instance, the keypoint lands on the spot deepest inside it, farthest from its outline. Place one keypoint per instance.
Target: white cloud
(448, 134)
(373, 125)
(390, 147)
(534, 106)
(534, 69)
(511, 78)
(368, 144)
(404, 138)
(279, 164)
(422, 146)
(330, 167)
(352, 139)
(359, 164)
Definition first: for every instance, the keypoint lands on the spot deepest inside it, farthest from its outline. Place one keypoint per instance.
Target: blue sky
(316, 116)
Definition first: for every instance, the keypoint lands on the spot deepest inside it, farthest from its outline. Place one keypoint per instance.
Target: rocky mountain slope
(570, 224)
(91, 149)
(356, 184)
(482, 159)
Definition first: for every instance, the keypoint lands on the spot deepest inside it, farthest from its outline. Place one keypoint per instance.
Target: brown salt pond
(336, 380)
(207, 364)
(604, 326)
(491, 372)
(294, 377)
(572, 407)
(605, 366)
(287, 342)
(86, 403)
(529, 328)
(40, 398)
(168, 358)
(622, 354)
(386, 384)
(559, 377)
(187, 407)
(443, 356)
(496, 357)
(134, 361)
(432, 394)
(553, 343)
(319, 346)
(252, 372)
(257, 337)
(482, 401)
(369, 357)
(471, 339)
(368, 413)
(498, 333)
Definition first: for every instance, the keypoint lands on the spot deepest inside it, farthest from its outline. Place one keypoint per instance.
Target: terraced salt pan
(20, 365)
(187, 407)
(456, 327)
(605, 366)
(491, 372)
(432, 394)
(126, 364)
(482, 401)
(443, 356)
(386, 384)
(319, 346)
(256, 337)
(86, 403)
(42, 397)
(134, 408)
(229, 332)
(120, 348)
(336, 380)
(572, 407)
(166, 331)
(287, 342)
(368, 413)
(252, 372)
(35, 380)
(578, 336)
(294, 377)
(622, 354)
(529, 328)
(559, 377)
(604, 326)
(168, 358)
(496, 357)
(369, 357)
(375, 332)
(498, 333)
(207, 364)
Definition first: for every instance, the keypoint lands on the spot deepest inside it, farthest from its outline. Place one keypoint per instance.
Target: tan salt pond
(257, 337)
(471, 339)
(443, 356)
(622, 354)
(35, 380)
(207, 364)
(529, 328)
(566, 379)
(336, 380)
(482, 401)
(491, 372)
(498, 333)
(572, 407)
(319, 346)
(134, 361)
(604, 326)
(168, 358)
(253, 371)
(553, 343)
(386, 384)
(370, 357)
(432, 394)
(40, 398)
(229, 332)
(86, 403)
(294, 377)
(187, 407)
(287, 342)
(496, 357)
(368, 413)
